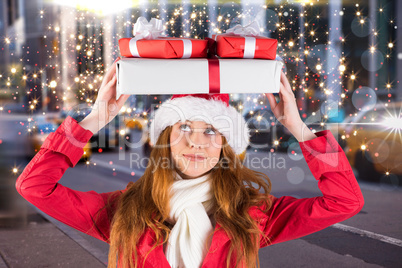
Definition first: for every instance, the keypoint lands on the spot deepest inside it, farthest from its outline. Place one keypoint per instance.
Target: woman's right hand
(106, 107)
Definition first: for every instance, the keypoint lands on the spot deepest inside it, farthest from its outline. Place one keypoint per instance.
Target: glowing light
(390, 45)
(388, 85)
(77, 79)
(13, 70)
(353, 77)
(24, 77)
(392, 122)
(342, 68)
(193, 15)
(78, 47)
(53, 84)
(290, 44)
(89, 53)
(358, 13)
(15, 170)
(7, 40)
(276, 142)
(362, 21)
(57, 29)
(318, 67)
(363, 147)
(122, 132)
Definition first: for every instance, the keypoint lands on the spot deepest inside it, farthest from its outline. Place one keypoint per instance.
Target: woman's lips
(193, 157)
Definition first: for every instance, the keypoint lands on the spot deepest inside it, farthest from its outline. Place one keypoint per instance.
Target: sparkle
(53, 84)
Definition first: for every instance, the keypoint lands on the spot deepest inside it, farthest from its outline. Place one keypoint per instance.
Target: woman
(196, 204)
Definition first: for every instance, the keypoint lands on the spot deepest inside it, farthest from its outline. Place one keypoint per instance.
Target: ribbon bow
(252, 29)
(147, 30)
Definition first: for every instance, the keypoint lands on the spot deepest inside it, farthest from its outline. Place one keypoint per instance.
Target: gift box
(197, 76)
(163, 48)
(247, 47)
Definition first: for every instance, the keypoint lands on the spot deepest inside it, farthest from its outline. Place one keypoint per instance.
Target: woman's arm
(38, 183)
(290, 218)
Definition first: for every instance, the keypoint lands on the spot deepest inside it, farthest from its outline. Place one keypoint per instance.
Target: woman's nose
(196, 139)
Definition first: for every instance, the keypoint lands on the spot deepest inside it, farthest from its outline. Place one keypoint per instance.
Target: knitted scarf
(190, 204)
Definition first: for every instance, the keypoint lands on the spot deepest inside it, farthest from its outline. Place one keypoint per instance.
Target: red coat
(288, 218)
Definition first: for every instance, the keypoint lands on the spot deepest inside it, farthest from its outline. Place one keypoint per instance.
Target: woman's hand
(287, 113)
(286, 110)
(106, 107)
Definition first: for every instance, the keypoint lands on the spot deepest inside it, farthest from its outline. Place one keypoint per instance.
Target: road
(372, 238)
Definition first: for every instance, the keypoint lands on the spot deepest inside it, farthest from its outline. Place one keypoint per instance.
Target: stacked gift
(148, 43)
(165, 65)
(245, 42)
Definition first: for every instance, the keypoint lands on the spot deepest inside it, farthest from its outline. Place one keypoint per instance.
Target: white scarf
(189, 207)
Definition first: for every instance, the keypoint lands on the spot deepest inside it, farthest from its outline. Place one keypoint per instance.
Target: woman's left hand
(286, 110)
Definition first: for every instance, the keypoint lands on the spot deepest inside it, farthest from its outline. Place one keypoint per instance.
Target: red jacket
(288, 218)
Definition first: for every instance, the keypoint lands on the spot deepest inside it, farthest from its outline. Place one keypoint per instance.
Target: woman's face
(195, 147)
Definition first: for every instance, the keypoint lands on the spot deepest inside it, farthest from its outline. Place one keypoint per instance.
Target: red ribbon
(214, 76)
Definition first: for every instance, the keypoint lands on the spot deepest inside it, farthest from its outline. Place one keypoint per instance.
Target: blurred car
(373, 141)
(138, 121)
(109, 137)
(266, 131)
(14, 108)
(40, 130)
(112, 136)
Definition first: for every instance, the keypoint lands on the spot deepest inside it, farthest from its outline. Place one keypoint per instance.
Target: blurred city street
(343, 60)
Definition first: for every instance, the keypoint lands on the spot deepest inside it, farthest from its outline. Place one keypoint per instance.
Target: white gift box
(197, 76)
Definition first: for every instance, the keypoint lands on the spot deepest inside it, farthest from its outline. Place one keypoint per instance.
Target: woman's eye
(185, 127)
(210, 131)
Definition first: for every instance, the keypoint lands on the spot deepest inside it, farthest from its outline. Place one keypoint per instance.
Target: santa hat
(212, 109)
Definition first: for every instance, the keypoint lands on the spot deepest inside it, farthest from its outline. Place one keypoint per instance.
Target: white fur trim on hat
(225, 119)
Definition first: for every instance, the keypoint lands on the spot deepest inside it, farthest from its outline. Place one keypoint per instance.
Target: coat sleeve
(38, 183)
(290, 218)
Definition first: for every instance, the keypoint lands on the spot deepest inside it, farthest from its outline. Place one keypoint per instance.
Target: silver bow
(147, 30)
(253, 29)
